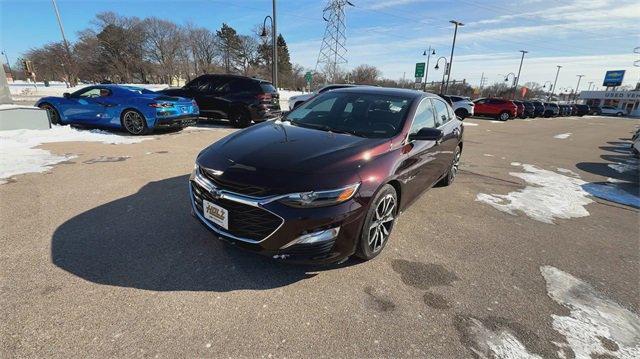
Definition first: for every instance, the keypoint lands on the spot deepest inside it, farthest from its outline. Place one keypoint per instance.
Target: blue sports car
(137, 110)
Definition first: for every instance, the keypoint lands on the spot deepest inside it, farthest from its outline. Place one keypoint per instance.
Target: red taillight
(161, 104)
(264, 96)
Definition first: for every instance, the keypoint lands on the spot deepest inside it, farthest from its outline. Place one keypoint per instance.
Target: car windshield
(359, 114)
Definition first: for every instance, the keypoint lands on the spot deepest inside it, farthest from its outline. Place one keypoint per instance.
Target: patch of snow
(469, 124)
(13, 107)
(516, 164)
(568, 171)
(500, 343)
(497, 121)
(552, 195)
(622, 167)
(592, 317)
(612, 193)
(19, 155)
(562, 136)
(614, 180)
(488, 155)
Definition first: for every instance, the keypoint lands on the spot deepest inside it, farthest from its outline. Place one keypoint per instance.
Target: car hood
(285, 148)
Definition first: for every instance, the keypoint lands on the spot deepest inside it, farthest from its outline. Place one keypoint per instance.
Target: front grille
(235, 187)
(244, 221)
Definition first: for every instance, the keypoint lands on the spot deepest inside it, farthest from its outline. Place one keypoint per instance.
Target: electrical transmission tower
(333, 51)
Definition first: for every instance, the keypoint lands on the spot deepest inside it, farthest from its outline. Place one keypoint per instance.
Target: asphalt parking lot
(100, 257)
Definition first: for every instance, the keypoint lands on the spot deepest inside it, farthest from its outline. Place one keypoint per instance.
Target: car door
(480, 106)
(450, 127)
(81, 107)
(419, 170)
(217, 95)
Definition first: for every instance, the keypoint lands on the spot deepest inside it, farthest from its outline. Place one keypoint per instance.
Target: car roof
(235, 76)
(389, 91)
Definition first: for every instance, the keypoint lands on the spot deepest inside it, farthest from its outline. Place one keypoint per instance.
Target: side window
(442, 112)
(92, 92)
(481, 101)
(424, 117)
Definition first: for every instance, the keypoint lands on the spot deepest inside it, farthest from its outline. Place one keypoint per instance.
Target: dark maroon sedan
(329, 179)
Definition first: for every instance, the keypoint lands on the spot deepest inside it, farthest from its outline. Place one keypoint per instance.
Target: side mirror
(66, 95)
(426, 134)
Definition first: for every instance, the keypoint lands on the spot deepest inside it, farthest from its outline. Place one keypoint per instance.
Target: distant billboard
(613, 78)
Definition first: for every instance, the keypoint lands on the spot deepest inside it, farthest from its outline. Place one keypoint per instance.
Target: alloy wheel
(133, 122)
(381, 223)
(53, 114)
(456, 164)
(504, 116)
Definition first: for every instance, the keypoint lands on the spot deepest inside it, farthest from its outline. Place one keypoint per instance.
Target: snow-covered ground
(550, 195)
(28, 92)
(594, 325)
(19, 153)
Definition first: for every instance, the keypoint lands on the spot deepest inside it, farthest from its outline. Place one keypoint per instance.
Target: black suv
(237, 98)
(539, 108)
(581, 110)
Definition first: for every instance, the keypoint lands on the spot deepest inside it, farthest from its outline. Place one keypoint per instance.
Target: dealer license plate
(216, 214)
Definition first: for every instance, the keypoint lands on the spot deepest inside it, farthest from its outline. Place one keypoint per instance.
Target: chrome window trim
(406, 140)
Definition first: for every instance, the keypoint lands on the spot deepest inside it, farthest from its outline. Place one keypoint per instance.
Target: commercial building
(628, 101)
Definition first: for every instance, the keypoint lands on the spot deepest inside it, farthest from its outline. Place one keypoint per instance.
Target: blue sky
(584, 36)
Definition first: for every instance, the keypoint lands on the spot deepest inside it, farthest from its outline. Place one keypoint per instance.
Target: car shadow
(149, 240)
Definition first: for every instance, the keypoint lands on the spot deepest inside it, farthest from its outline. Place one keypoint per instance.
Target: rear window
(267, 87)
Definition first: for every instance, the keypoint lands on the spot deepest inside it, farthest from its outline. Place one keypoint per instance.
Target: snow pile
(562, 136)
(284, 98)
(13, 107)
(19, 155)
(623, 167)
(500, 343)
(592, 319)
(552, 195)
(469, 124)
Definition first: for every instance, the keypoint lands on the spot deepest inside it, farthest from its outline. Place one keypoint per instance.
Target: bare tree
(364, 74)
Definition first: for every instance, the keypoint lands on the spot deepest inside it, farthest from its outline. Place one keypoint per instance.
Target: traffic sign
(308, 76)
(420, 69)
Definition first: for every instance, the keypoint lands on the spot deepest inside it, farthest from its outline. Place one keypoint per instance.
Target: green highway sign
(308, 76)
(420, 69)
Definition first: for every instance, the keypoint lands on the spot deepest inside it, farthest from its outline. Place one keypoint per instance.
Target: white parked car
(295, 101)
(462, 106)
(611, 111)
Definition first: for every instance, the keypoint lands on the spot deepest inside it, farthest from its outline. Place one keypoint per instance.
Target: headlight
(321, 198)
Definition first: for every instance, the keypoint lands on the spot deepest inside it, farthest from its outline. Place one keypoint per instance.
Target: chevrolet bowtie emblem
(214, 172)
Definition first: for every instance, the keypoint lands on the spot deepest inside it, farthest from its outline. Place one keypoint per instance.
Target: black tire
(52, 112)
(377, 228)
(134, 122)
(462, 113)
(453, 169)
(239, 117)
(504, 116)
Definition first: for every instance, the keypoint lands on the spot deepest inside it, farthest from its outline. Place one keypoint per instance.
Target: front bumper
(256, 213)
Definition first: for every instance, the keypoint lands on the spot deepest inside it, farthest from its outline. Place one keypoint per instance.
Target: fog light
(315, 237)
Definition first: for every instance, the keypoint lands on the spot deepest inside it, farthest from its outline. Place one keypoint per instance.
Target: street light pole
(66, 44)
(453, 46)
(446, 66)
(274, 32)
(8, 64)
(428, 53)
(515, 86)
(575, 97)
(554, 82)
